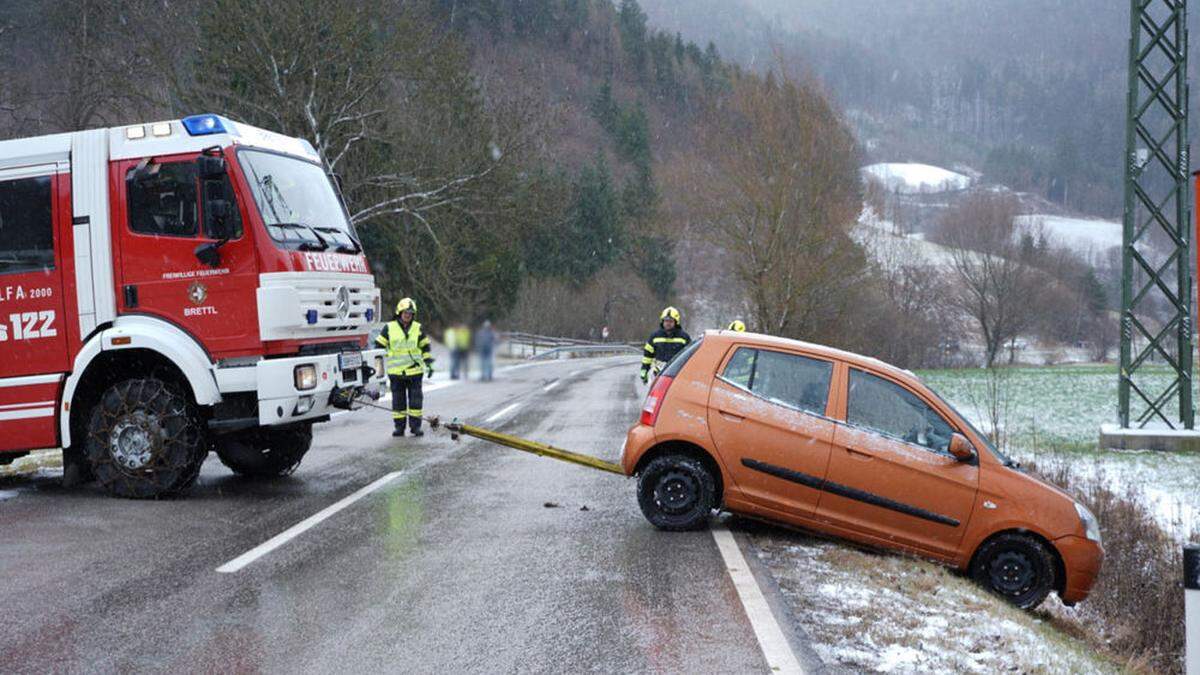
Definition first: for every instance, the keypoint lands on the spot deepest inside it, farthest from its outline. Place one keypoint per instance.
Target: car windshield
(297, 203)
(1004, 459)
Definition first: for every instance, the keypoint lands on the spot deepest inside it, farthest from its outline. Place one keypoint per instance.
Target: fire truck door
(33, 328)
(161, 229)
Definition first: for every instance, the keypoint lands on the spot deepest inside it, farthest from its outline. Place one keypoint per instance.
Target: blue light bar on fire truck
(203, 125)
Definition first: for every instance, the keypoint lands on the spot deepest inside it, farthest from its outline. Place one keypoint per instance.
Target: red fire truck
(173, 288)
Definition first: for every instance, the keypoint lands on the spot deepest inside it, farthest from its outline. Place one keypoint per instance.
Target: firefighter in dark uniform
(409, 361)
(664, 343)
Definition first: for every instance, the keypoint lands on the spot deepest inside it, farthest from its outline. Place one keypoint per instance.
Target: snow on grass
(38, 461)
(883, 613)
(890, 249)
(1054, 415)
(911, 178)
(1079, 234)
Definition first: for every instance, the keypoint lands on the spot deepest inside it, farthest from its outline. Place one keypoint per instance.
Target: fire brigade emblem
(197, 293)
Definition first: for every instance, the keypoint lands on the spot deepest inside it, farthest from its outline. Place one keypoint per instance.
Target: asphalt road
(455, 564)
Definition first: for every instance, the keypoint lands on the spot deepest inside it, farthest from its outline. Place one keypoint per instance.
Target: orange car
(849, 446)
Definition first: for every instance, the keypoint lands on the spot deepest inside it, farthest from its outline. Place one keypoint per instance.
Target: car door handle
(862, 456)
(731, 416)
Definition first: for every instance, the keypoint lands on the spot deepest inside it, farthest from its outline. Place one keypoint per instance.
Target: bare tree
(775, 180)
(996, 284)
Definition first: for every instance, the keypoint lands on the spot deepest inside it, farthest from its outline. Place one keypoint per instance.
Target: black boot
(416, 430)
(399, 429)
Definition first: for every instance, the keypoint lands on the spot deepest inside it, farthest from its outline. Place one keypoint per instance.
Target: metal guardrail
(611, 348)
(532, 346)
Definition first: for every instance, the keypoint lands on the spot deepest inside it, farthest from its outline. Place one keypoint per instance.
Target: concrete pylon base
(1113, 437)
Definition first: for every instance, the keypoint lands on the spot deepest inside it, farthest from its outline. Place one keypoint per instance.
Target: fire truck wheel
(145, 440)
(265, 453)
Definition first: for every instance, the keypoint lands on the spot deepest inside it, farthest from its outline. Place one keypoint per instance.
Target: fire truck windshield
(297, 203)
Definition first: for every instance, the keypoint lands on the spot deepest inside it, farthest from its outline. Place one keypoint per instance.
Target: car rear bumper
(1082, 559)
(639, 438)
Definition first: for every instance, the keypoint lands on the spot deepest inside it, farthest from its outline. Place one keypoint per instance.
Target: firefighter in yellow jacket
(408, 362)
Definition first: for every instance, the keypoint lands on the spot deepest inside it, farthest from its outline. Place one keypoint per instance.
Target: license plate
(350, 360)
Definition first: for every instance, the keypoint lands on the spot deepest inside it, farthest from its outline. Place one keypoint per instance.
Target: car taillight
(654, 399)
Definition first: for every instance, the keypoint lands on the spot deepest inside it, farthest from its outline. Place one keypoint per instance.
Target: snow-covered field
(1079, 234)
(912, 178)
(891, 249)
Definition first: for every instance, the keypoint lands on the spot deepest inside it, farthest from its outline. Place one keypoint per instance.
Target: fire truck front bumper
(305, 388)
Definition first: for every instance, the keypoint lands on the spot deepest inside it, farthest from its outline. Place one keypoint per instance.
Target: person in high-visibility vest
(737, 325)
(409, 361)
(664, 343)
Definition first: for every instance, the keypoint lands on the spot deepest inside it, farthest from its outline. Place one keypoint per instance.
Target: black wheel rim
(1012, 573)
(676, 492)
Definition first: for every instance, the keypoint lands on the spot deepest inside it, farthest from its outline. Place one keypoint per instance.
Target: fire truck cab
(172, 288)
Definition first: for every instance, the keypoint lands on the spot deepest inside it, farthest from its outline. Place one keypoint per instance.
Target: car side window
(740, 368)
(26, 226)
(793, 380)
(162, 199)
(887, 408)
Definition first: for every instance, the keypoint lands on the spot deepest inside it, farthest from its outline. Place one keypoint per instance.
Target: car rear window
(790, 379)
(681, 359)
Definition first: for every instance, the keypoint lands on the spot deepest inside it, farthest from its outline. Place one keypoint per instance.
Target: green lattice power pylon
(1156, 288)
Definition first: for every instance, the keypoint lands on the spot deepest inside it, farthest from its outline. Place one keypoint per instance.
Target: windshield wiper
(306, 245)
(342, 248)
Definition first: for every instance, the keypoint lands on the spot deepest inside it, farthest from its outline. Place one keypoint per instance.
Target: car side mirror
(961, 448)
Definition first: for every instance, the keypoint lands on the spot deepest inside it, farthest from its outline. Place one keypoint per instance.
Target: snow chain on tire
(145, 440)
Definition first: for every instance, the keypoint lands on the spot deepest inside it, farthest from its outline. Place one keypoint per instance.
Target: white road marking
(770, 636)
(551, 385)
(503, 411)
(301, 527)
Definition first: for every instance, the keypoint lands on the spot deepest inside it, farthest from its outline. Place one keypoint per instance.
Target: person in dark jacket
(485, 344)
(664, 343)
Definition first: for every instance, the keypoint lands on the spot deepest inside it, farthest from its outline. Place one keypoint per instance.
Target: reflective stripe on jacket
(407, 350)
(663, 345)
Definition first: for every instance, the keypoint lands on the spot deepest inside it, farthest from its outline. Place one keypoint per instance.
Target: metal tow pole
(524, 445)
(533, 447)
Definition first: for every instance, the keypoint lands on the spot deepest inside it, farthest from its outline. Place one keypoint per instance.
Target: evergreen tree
(631, 21)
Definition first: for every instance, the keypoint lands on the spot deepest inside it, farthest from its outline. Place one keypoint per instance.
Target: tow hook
(342, 398)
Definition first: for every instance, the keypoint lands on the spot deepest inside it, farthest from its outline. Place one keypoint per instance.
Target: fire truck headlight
(306, 377)
(378, 366)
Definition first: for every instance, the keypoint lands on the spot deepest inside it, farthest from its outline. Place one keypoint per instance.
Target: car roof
(851, 358)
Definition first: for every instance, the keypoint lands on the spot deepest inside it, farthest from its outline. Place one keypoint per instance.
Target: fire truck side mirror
(210, 167)
(209, 253)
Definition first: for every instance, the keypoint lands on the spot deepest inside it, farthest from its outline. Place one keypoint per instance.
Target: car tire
(1017, 567)
(677, 493)
(263, 453)
(145, 439)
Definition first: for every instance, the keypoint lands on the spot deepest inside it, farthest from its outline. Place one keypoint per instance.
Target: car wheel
(145, 440)
(676, 492)
(265, 453)
(1017, 567)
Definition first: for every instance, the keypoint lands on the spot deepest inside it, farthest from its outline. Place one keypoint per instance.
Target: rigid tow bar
(458, 429)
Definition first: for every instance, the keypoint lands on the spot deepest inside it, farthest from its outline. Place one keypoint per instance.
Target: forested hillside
(529, 161)
(1031, 92)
